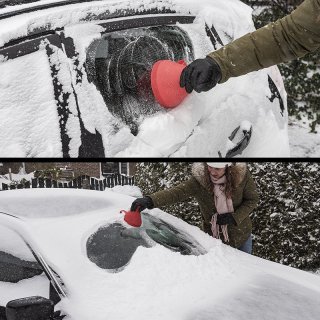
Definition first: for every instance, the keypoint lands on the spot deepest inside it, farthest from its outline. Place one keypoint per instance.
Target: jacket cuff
(215, 55)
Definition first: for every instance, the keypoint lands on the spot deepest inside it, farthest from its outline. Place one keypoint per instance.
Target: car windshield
(111, 247)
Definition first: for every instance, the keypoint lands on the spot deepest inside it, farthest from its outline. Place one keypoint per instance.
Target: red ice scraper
(165, 82)
(133, 218)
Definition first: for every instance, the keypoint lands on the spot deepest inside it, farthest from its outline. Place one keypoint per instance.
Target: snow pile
(132, 191)
(303, 143)
(14, 178)
(5, 180)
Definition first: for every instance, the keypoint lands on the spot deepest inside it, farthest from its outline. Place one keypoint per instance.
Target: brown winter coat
(244, 197)
(286, 39)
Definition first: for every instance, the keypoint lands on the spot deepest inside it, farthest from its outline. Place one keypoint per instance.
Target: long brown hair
(229, 181)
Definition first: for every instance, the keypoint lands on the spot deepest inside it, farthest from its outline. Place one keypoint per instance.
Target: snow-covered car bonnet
(158, 283)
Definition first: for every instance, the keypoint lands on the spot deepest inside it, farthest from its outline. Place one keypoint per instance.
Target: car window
(20, 273)
(119, 64)
(172, 238)
(111, 247)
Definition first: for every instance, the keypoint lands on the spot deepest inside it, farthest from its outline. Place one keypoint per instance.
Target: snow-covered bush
(301, 76)
(287, 221)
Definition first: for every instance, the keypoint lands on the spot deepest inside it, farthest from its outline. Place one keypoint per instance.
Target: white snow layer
(36, 286)
(132, 191)
(29, 122)
(199, 127)
(158, 283)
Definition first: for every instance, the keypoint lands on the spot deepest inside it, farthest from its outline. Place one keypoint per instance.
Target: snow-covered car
(71, 252)
(75, 82)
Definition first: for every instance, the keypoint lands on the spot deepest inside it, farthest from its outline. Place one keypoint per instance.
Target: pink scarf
(223, 205)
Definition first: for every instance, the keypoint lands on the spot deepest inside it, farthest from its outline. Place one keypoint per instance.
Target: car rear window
(111, 247)
(120, 63)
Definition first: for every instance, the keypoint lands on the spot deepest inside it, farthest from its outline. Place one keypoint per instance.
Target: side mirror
(30, 308)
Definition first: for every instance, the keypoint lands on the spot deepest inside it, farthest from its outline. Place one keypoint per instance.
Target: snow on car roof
(160, 284)
(224, 13)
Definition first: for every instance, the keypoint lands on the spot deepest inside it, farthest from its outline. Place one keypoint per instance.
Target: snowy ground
(303, 143)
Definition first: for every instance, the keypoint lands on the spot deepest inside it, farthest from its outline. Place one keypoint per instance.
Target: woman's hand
(200, 75)
(142, 203)
(226, 218)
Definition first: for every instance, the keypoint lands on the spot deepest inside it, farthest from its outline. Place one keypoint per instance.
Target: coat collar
(201, 174)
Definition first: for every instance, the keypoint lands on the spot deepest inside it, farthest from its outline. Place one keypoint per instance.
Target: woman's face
(216, 172)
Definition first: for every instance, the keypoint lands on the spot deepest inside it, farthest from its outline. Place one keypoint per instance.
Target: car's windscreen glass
(20, 273)
(112, 247)
(16, 259)
(120, 64)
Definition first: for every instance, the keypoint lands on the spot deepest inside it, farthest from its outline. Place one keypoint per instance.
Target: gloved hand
(226, 218)
(142, 203)
(200, 75)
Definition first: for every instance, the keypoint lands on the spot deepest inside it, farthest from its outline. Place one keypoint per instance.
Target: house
(71, 169)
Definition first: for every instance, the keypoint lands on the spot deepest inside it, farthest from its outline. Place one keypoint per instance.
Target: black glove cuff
(216, 68)
(149, 202)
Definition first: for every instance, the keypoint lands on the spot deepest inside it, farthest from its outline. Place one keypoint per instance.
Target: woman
(226, 194)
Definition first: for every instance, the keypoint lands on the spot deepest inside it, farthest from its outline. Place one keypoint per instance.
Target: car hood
(159, 283)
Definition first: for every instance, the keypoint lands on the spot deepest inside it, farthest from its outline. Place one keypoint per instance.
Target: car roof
(53, 15)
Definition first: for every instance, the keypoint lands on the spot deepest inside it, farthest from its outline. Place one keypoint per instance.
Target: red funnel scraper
(165, 82)
(133, 218)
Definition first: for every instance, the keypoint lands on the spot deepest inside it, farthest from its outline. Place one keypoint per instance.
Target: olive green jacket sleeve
(286, 39)
(249, 202)
(175, 194)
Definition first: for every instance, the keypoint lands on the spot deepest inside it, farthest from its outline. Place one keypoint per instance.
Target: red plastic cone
(165, 82)
(133, 218)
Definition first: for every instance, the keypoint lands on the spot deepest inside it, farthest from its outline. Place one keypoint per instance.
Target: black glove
(226, 218)
(142, 203)
(200, 75)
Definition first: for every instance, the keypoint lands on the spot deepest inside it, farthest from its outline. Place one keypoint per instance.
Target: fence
(81, 182)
